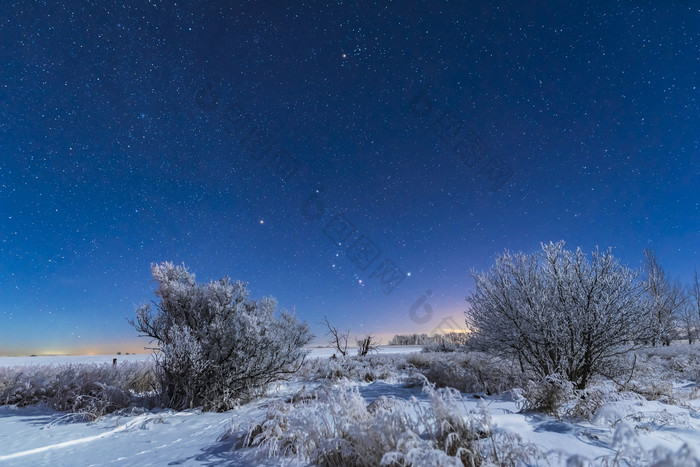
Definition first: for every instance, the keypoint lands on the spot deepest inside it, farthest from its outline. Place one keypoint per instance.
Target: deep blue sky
(323, 151)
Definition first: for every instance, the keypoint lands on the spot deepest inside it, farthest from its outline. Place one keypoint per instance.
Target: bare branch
(367, 344)
(338, 339)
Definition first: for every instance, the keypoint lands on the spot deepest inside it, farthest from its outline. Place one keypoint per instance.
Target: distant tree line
(453, 338)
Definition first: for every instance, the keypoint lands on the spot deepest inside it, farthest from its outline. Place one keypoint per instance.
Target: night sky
(352, 159)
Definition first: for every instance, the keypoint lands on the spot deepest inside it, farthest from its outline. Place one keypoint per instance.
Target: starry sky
(353, 159)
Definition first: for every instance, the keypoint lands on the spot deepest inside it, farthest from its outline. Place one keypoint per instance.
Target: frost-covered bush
(216, 345)
(89, 390)
(655, 390)
(338, 428)
(651, 371)
(355, 368)
(678, 362)
(559, 312)
(587, 403)
(548, 395)
(468, 372)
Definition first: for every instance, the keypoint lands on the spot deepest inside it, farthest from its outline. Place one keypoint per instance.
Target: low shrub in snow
(336, 427)
(467, 372)
(548, 395)
(651, 372)
(556, 396)
(355, 368)
(89, 390)
(677, 362)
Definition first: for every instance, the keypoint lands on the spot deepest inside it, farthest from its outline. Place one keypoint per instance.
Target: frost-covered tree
(215, 345)
(558, 312)
(694, 295)
(690, 312)
(688, 321)
(666, 301)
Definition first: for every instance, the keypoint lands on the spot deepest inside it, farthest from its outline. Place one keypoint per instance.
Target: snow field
(385, 415)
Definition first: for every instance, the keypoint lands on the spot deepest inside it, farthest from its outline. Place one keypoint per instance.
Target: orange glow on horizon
(89, 349)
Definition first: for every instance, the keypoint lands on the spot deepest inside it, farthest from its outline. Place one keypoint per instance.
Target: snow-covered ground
(631, 426)
(67, 359)
(70, 359)
(34, 437)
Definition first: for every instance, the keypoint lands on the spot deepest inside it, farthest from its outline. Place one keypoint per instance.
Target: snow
(37, 436)
(34, 437)
(69, 359)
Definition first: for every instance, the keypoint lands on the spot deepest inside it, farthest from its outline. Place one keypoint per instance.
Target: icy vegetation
(336, 427)
(83, 391)
(216, 346)
(558, 311)
(421, 408)
(570, 360)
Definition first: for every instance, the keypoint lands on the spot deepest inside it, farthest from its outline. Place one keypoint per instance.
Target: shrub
(337, 428)
(468, 372)
(216, 345)
(652, 369)
(87, 390)
(548, 395)
(354, 368)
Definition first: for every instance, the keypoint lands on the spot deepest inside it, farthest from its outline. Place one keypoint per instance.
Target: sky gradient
(355, 160)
